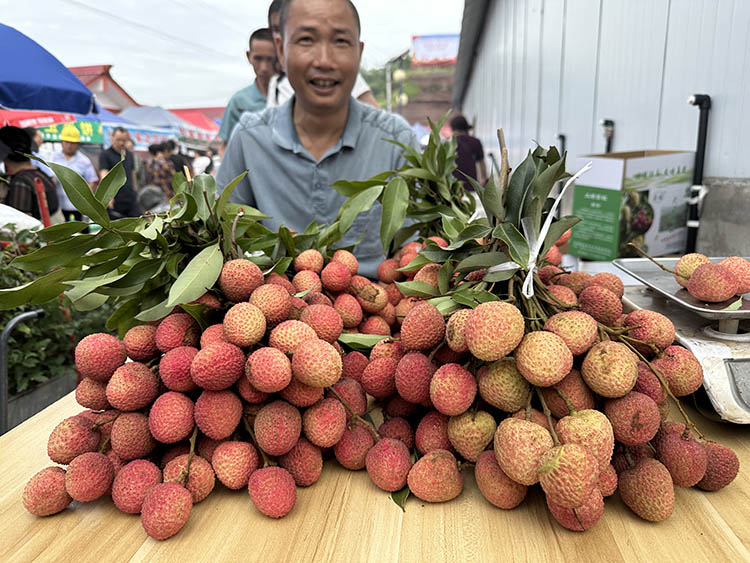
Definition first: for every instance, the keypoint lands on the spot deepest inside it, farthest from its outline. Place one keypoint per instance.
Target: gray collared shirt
(287, 183)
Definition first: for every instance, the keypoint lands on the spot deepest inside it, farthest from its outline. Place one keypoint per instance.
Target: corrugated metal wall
(549, 67)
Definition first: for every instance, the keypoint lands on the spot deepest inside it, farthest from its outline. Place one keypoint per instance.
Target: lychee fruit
(92, 394)
(130, 437)
(140, 343)
(432, 433)
(388, 463)
(353, 365)
(582, 517)
(543, 358)
(499, 489)
(268, 370)
(316, 363)
(574, 390)
(387, 349)
(423, 327)
(98, 356)
(132, 387)
(310, 259)
(452, 389)
(647, 490)
(454, 330)
(577, 329)
(607, 482)
(549, 272)
(178, 329)
(239, 278)
(502, 385)
(304, 462)
(289, 334)
(166, 509)
(301, 395)
(324, 422)
(249, 393)
(273, 491)
(712, 283)
(352, 449)
(428, 274)
(740, 267)
(379, 377)
(217, 413)
(535, 416)
(335, 277)
(592, 430)
(609, 280)
(435, 477)
(307, 281)
(218, 366)
(493, 330)
(277, 427)
(519, 446)
(610, 369)
(347, 259)
(171, 417)
(563, 294)
(470, 433)
(352, 392)
(274, 301)
(398, 428)
(648, 384)
(635, 418)
(413, 374)
(244, 325)
(388, 271)
(686, 265)
(131, 484)
(721, 469)
(372, 298)
(174, 368)
(681, 369)
(89, 476)
(600, 303)
(568, 473)
(651, 327)
(348, 309)
(685, 458)
(45, 492)
(324, 320)
(574, 281)
(70, 438)
(200, 479)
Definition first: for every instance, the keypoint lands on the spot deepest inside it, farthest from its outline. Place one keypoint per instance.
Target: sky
(191, 53)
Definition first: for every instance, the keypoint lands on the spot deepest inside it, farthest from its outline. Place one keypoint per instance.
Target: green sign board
(91, 132)
(597, 235)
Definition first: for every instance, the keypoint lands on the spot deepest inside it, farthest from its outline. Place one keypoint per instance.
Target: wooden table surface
(344, 517)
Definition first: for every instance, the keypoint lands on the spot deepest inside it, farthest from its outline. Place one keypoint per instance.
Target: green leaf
(447, 307)
(55, 254)
(155, 313)
(519, 183)
(286, 238)
(225, 194)
(415, 264)
(470, 233)
(405, 233)
(204, 193)
(419, 173)
(478, 261)
(90, 302)
(399, 497)
(734, 306)
(451, 227)
(154, 229)
(183, 208)
(125, 311)
(198, 276)
(179, 182)
(485, 296)
(111, 184)
(518, 247)
(360, 341)
(499, 276)
(79, 193)
(282, 265)
(360, 203)
(395, 203)
(140, 273)
(417, 289)
(444, 277)
(556, 230)
(173, 262)
(61, 231)
(350, 189)
(39, 291)
(198, 312)
(81, 288)
(543, 183)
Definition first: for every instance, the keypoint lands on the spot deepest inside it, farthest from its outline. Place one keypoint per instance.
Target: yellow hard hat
(70, 133)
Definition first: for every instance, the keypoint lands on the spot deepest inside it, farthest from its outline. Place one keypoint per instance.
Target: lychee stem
(105, 444)
(571, 407)
(185, 472)
(434, 351)
(666, 388)
(236, 247)
(103, 422)
(655, 262)
(548, 414)
(628, 457)
(654, 348)
(354, 415)
(528, 405)
(266, 460)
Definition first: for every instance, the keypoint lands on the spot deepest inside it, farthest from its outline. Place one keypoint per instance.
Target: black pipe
(703, 101)
(4, 337)
(609, 133)
(561, 138)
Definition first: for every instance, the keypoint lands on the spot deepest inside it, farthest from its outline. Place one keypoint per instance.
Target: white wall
(560, 66)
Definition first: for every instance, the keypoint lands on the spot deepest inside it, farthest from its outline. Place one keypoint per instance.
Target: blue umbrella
(31, 78)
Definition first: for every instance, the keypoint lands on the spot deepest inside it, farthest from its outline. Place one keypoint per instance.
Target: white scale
(720, 339)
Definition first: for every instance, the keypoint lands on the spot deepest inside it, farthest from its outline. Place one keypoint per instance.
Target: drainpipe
(4, 336)
(561, 139)
(609, 133)
(703, 101)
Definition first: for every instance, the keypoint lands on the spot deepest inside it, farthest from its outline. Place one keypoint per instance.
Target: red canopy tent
(21, 118)
(196, 118)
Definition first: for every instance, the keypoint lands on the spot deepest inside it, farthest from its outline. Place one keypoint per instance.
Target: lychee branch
(186, 472)
(571, 407)
(657, 263)
(354, 415)
(236, 247)
(548, 414)
(266, 460)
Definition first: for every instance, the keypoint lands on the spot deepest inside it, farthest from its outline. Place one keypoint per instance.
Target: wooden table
(344, 517)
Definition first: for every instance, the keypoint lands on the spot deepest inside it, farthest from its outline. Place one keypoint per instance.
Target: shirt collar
(285, 135)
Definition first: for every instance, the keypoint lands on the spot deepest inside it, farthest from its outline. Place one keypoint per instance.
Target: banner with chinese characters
(434, 49)
(91, 132)
(142, 136)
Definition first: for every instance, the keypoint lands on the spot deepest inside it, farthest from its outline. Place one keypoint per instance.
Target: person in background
(202, 164)
(36, 142)
(138, 165)
(294, 152)
(179, 161)
(160, 170)
(71, 157)
(261, 55)
(279, 87)
(125, 203)
(470, 161)
(20, 191)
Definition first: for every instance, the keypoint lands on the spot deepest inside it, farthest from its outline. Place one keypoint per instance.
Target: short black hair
(169, 145)
(153, 149)
(262, 34)
(119, 129)
(285, 4)
(31, 132)
(274, 8)
(18, 141)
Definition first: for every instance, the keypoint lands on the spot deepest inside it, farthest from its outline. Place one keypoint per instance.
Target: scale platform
(718, 337)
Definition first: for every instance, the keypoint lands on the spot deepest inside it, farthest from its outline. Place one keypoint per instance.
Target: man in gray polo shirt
(294, 152)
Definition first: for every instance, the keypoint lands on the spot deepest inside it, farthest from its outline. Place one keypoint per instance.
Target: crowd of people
(307, 120)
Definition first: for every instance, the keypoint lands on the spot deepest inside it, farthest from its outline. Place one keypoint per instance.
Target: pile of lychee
(258, 399)
(713, 282)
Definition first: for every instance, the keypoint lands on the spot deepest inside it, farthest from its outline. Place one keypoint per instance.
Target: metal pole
(388, 87)
(4, 337)
(703, 101)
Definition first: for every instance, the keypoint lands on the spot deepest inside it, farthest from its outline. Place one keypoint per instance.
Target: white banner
(435, 49)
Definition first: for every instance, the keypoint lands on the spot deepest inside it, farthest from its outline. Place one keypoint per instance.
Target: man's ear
(247, 54)
(278, 41)
(361, 48)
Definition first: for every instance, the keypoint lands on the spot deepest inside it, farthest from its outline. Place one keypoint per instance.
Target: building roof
(108, 92)
(472, 27)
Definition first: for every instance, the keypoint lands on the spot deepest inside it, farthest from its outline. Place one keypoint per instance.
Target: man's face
(118, 140)
(69, 149)
(38, 138)
(262, 56)
(321, 53)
